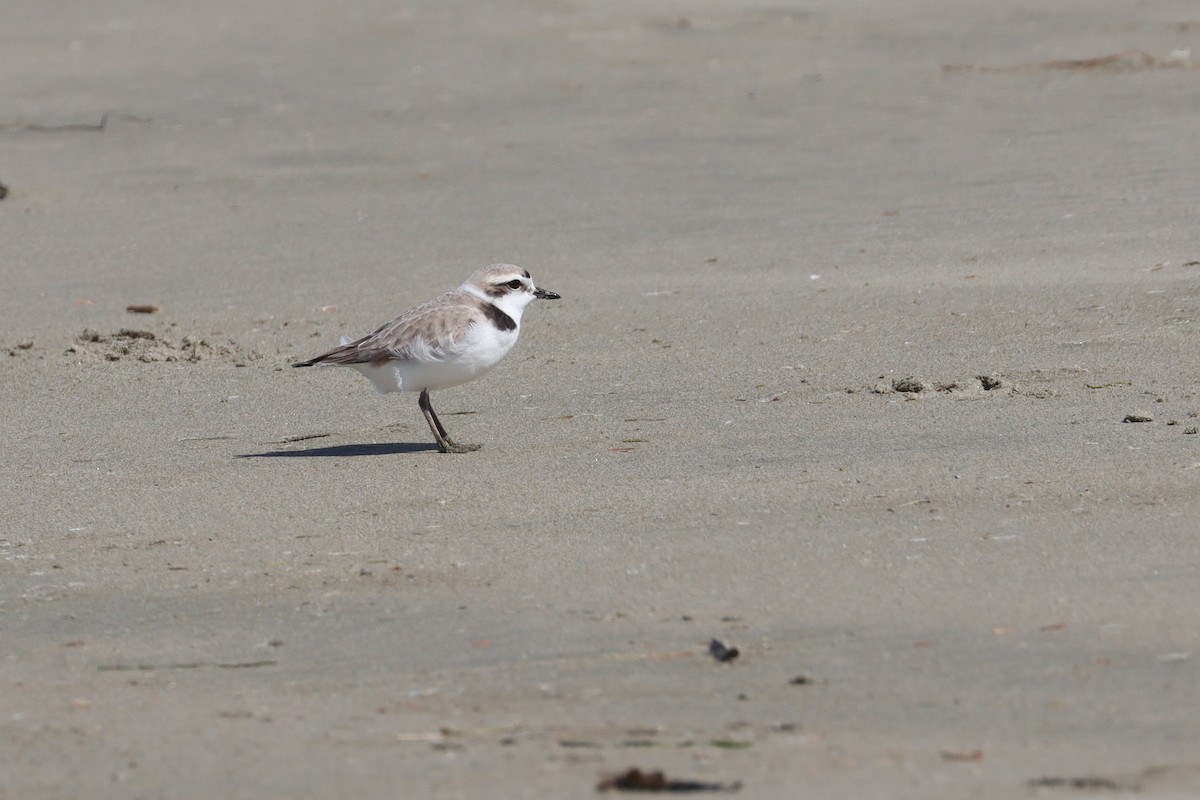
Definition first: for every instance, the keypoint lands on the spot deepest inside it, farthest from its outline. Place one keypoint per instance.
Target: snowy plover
(445, 342)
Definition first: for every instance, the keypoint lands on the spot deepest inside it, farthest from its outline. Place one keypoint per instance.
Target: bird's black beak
(546, 294)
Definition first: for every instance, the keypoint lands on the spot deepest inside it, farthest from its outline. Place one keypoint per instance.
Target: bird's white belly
(483, 351)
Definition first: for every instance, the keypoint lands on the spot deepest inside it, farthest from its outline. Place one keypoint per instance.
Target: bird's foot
(455, 447)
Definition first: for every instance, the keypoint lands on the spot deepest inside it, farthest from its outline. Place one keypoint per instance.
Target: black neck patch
(501, 320)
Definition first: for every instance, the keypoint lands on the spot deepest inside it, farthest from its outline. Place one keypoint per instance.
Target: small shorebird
(445, 342)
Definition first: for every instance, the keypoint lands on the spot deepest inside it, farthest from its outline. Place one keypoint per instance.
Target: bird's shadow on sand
(347, 451)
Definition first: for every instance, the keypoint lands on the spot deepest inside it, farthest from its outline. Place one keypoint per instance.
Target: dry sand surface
(790, 238)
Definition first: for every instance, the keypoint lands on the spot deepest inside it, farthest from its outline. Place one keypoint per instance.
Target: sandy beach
(876, 360)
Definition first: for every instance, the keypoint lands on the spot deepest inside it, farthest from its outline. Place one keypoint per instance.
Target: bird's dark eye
(514, 284)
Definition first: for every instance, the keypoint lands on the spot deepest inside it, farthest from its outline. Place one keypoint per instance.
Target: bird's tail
(312, 361)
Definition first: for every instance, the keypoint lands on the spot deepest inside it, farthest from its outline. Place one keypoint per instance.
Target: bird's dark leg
(435, 425)
(444, 442)
(427, 407)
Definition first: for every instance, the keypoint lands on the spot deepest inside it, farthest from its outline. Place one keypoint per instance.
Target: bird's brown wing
(432, 331)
